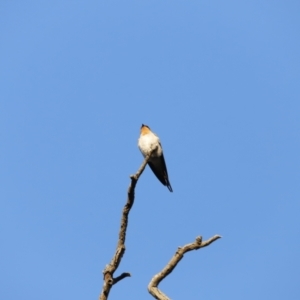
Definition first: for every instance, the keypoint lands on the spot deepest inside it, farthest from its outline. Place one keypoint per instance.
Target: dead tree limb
(153, 285)
(109, 270)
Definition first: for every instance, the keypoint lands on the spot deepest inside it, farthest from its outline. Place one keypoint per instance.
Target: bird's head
(145, 129)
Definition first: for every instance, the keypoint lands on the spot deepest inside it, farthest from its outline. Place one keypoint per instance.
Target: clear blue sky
(218, 81)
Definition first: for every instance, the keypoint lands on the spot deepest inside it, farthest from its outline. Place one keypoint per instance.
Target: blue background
(218, 81)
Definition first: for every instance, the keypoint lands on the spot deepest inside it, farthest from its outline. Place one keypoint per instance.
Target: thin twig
(153, 285)
(109, 270)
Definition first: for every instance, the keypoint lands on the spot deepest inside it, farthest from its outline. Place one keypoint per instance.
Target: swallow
(147, 141)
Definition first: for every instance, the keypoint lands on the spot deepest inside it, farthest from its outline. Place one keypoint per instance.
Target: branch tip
(199, 240)
(122, 276)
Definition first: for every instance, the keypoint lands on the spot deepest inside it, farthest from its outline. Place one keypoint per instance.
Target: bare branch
(122, 276)
(153, 285)
(109, 270)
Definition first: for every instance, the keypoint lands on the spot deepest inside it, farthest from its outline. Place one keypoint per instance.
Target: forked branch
(109, 270)
(153, 285)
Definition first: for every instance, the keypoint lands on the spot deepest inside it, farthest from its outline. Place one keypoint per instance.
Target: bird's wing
(159, 168)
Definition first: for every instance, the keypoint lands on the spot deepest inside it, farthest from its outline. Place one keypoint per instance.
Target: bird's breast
(147, 142)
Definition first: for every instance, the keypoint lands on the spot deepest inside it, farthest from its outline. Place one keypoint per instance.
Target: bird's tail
(169, 186)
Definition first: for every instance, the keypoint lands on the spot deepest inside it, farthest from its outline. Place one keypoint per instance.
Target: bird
(148, 141)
